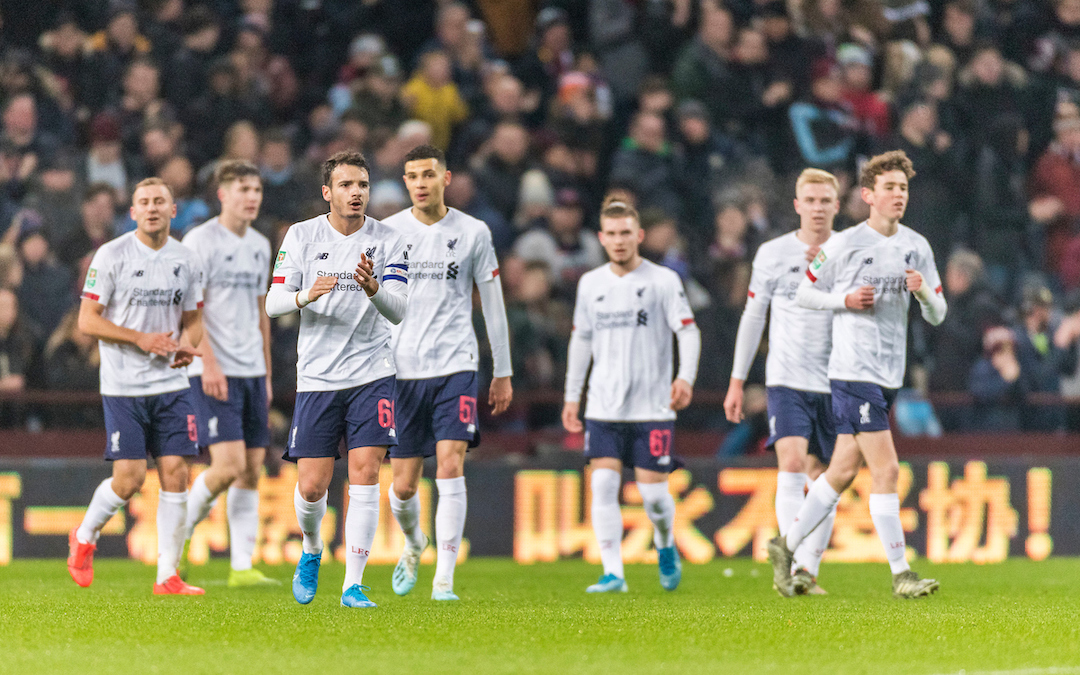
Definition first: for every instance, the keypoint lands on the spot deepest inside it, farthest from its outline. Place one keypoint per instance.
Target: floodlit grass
(1020, 615)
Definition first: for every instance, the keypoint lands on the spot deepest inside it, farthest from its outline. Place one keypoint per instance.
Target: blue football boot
(306, 579)
(670, 567)
(609, 583)
(354, 597)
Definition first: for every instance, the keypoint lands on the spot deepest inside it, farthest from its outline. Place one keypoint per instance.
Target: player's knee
(886, 477)
(405, 491)
(248, 477)
(451, 467)
(311, 490)
(790, 463)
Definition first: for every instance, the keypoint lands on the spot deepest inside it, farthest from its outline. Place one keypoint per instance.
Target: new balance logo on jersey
(370, 253)
(322, 256)
(452, 271)
(211, 425)
(116, 442)
(795, 269)
(138, 273)
(600, 298)
(864, 413)
(451, 248)
(868, 261)
(176, 270)
(640, 291)
(228, 258)
(642, 318)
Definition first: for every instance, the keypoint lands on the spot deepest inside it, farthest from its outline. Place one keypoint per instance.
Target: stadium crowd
(700, 111)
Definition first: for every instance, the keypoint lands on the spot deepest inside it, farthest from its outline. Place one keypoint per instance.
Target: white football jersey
(344, 341)
(437, 337)
(630, 321)
(147, 291)
(871, 345)
(237, 271)
(800, 339)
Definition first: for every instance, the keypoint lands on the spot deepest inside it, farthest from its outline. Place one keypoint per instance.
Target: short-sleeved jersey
(147, 291)
(871, 345)
(630, 321)
(800, 339)
(236, 273)
(344, 341)
(437, 337)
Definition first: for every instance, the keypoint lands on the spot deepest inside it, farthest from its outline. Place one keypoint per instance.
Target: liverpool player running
(345, 273)
(437, 357)
(142, 300)
(801, 426)
(230, 383)
(624, 318)
(865, 274)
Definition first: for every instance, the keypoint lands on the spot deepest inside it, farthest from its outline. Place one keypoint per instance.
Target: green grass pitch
(1019, 617)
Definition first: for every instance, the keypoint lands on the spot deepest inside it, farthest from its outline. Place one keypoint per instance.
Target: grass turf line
(537, 619)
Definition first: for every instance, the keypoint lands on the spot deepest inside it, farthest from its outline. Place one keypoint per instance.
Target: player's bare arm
(365, 276)
(190, 337)
(681, 394)
(733, 401)
(500, 395)
(570, 420)
(214, 382)
(93, 323)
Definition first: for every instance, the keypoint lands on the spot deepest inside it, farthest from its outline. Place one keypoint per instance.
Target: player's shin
(660, 507)
(104, 504)
(809, 554)
(407, 514)
(172, 509)
(790, 492)
(361, 521)
(200, 501)
(819, 502)
(607, 519)
(242, 506)
(310, 516)
(885, 512)
(449, 526)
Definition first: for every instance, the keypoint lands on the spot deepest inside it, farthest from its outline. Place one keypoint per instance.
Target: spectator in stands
(539, 324)
(1055, 186)
(833, 22)
(704, 71)
(936, 192)
(462, 194)
(283, 189)
(551, 55)
(375, 95)
(996, 385)
(990, 89)
(957, 32)
(762, 92)
(646, 163)
(505, 160)
(96, 225)
(825, 132)
(973, 309)
(566, 249)
(16, 348)
(46, 292)
(1042, 361)
(209, 117)
(662, 244)
(23, 146)
(431, 95)
(11, 269)
(789, 53)
(869, 108)
(141, 105)
(186, 70)
(116, 48)
(64, 55)
(71, 357)
(191, 210)
(55, 195)
(105, 161)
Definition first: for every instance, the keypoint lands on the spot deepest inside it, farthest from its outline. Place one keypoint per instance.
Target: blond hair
(619, 209)
(816, 176)
(153, 180)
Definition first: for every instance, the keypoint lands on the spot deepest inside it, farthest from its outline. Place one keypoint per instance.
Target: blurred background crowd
(700, 111)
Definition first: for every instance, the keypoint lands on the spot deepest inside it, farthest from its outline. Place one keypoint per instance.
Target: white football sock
(200, 501)
(407, 514)
(607, 519)
(885, 512)
(171, 511)
(103, 505)
(790, 492)
(310, 516)
(361, 521)
(813, 547)
(660, 507)
(449, 526)
(821, 499)
(242, 506)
